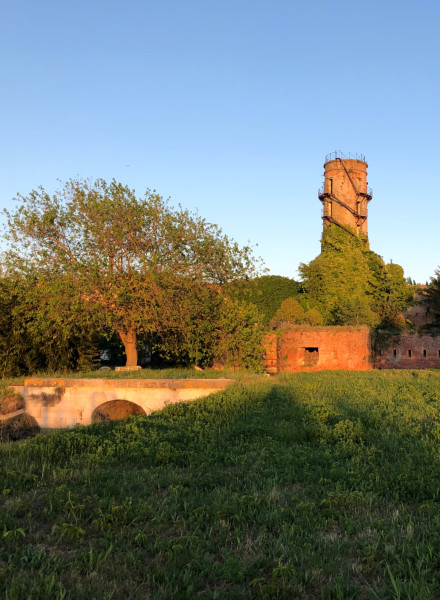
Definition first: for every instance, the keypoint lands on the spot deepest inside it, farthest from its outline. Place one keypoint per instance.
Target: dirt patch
(116, 410)
(10, 404)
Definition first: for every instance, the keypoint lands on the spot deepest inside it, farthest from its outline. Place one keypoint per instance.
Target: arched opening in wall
(116, 410)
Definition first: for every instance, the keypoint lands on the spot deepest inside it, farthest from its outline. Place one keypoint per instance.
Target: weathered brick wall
(337, 183)
(411, 352)
(318, 348)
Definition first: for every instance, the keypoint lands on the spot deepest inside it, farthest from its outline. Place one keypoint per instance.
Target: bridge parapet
(64, 402)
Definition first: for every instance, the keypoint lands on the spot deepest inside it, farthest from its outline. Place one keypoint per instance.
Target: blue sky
(230, 107)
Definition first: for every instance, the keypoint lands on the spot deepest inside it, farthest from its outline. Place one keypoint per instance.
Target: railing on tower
(322, 191)
(350, 156)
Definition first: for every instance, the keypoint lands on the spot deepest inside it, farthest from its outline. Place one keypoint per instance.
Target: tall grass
(319, 485)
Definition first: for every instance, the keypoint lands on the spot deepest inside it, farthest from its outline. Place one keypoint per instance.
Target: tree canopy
(266, 293)
(432, 295)
(350, 285)
(36, 336)
(109, 259)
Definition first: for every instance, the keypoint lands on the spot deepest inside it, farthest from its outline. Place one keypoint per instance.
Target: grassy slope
(320, 485)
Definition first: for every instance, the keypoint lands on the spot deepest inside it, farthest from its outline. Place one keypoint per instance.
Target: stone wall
(318, 348)
(57, 403)
(410, 351)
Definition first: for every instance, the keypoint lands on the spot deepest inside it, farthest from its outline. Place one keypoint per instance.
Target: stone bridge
(56, 402)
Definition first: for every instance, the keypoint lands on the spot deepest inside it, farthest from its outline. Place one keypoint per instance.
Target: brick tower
(345, 193)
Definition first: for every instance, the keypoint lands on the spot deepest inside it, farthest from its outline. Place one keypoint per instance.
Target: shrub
(20, 427)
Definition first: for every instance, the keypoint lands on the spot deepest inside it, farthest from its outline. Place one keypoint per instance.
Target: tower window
(394, 353)
(424, 353)
(409, 353)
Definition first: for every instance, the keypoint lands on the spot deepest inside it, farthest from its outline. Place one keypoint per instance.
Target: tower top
(350, 156)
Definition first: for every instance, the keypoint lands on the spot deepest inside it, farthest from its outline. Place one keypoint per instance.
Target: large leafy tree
(110, 259)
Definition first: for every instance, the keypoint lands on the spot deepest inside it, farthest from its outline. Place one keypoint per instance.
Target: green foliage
(114, 262)
(352, 285)
(392, 294)
(223, 331)
(433, 295)
(238, 336)
(312, 485)
(291, 311)
(266, 293)
(36, 334)
(313, 317)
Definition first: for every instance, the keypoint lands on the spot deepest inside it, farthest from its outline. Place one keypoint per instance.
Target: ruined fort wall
(318, 348)
(411, 351)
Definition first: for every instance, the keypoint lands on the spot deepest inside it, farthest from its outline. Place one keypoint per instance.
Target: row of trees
(94, 261)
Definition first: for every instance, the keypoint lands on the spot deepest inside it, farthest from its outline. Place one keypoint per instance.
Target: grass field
(315, 485)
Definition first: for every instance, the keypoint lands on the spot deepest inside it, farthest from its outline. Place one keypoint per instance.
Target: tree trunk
(129, 340)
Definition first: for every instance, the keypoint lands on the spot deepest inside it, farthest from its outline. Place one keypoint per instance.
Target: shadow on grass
(318, 486)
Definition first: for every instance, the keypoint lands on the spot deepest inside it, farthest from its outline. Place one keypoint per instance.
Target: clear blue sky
(230, 107)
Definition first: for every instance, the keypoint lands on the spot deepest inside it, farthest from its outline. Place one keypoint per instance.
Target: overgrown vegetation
(314, 485)
(433, 297)
(34, 336)
(350, 285)
(266, 293)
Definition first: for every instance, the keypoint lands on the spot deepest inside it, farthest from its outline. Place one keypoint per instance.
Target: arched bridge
(59, 402)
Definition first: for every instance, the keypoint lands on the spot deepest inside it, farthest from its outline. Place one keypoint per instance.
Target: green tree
(118, 262)
(239, 332)
(266, 293)
(392, 293)
(221, 331)
(351, 285)
(313, 317)
(31, 340)
(433, 295)
(290, 311)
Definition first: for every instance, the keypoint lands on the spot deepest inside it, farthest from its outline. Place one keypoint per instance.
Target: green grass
(316, 485)
(176, 373)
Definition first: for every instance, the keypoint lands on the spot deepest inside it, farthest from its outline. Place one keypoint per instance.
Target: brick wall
(318, 348)
(411, 352)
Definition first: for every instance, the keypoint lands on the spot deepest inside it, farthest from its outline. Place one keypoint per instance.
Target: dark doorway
(311, 356)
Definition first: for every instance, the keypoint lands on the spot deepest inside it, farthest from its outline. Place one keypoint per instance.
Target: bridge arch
(116, 410)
